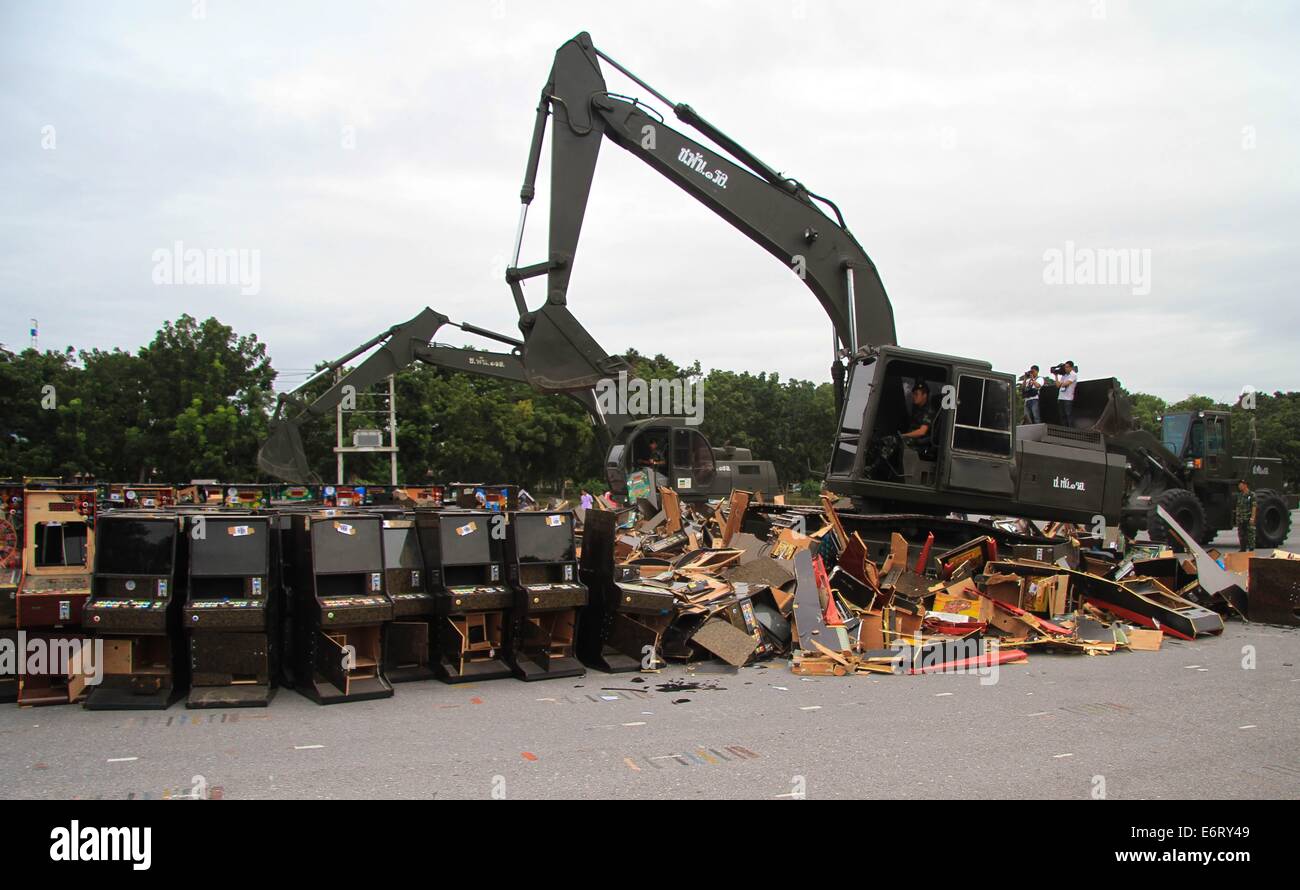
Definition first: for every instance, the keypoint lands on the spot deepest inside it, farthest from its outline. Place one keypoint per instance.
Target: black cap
(921, 386)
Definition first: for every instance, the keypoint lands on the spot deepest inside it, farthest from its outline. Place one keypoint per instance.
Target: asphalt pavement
(1212, 718)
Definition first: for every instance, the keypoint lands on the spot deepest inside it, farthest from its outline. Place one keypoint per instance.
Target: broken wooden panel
(672, 510)
(735, 514)
(726, 641)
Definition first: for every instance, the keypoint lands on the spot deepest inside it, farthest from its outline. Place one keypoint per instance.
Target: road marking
(1038, 714)
(307, 747)
(941, 694)
(122, 759)
(1248, 726)
(811, 708)
(637, 723)
(1059, 756)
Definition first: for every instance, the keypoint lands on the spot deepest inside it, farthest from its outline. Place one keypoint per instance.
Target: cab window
(983, 417)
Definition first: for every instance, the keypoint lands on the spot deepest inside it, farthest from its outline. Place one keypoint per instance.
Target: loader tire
(1185, 507)
(1273, 519)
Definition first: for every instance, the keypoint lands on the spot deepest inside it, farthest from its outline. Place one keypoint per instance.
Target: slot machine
(473, 605)
(295, 496)
(11, 572)
(134, 611)
(341, 606)
(57, 561)
(409, 636)
(231, 610)
(122, 496)
(542, 568)
(621, 626)
(346, 497)
(421, 496)
(246, 497)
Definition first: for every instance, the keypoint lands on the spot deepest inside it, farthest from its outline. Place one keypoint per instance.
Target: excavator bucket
(560, 356)
(1099, 405)
(282, 457)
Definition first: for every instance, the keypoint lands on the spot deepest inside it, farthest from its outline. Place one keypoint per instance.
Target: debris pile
(818, 597)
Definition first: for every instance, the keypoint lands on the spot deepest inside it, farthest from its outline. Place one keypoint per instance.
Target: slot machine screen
(135, 546)
(231, 547)
(543, 537)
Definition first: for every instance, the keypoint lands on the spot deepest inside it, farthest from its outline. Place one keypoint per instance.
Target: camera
(1060, 369)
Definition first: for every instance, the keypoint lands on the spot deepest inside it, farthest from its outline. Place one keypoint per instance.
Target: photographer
(1029, 387)
(1066, 379)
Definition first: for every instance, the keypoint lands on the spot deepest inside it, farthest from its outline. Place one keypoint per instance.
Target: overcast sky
(372, 156)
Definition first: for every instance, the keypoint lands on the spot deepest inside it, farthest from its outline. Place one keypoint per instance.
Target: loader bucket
(281, 455)
(1099, 405)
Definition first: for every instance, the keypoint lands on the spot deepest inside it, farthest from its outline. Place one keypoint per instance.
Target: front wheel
(1185, 509)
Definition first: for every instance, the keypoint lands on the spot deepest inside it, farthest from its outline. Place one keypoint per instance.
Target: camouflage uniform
(1242, 515)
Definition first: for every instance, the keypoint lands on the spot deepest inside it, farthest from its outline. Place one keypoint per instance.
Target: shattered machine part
(1213, 578)
(726, 641)
(809, 621)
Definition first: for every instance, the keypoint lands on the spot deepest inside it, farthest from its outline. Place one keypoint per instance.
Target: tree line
(195, 403)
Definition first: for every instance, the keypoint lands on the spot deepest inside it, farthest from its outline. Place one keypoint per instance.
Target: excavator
(690, 465)
(976, 456)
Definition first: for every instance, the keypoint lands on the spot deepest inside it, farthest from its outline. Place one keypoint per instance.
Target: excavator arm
(282, 455)
(775, 211)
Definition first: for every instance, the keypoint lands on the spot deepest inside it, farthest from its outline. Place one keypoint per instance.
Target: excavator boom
(776, 212)
(282, 455)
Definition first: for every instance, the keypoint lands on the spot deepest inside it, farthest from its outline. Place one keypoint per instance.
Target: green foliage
(194, 404)
(1147, 411)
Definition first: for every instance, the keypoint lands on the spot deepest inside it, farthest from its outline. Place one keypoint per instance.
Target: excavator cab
(977, 458)
(661, 452)
(873, 426)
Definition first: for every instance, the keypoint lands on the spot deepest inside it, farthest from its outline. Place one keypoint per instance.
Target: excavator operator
(920, 423)
(654, 457)
(916, 432)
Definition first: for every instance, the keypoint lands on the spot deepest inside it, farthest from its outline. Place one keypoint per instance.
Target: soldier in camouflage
(1244, 514)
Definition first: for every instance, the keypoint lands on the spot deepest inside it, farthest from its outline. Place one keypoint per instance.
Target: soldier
(1245, 514)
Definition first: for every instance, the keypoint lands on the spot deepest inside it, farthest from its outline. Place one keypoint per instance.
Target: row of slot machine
(148, 496)
(155, 598)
